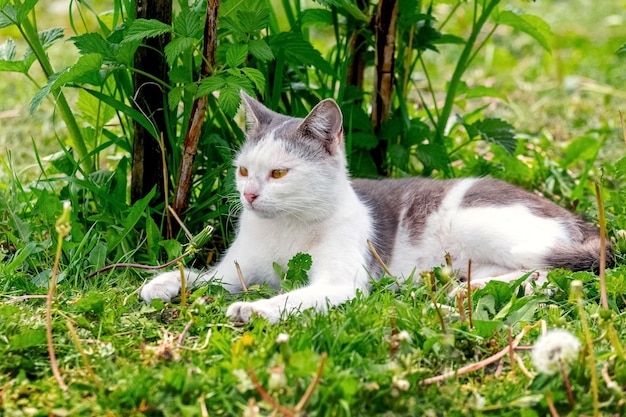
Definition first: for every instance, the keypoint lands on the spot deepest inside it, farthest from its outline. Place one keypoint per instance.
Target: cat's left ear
(325, 123)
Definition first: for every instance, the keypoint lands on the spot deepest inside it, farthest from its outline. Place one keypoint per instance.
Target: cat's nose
(250, 197)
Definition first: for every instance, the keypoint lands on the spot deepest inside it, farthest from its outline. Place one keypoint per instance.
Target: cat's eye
(279, 173)
(243, 171)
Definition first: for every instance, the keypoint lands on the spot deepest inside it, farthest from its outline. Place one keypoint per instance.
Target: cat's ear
(257, 115)
(325, 123)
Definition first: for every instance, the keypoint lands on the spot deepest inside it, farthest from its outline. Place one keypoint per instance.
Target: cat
(297, 197)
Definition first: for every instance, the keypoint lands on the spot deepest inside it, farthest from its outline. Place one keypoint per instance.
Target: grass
(371, 356)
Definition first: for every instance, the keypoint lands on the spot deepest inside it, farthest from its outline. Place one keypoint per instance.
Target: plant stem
(32, 38)
(461, 67)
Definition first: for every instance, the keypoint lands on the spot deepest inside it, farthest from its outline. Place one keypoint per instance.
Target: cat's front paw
(244, 311)
(164, 286)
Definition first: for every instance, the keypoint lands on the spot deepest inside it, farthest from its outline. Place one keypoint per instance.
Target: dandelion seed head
(282, 338)
(555, 349)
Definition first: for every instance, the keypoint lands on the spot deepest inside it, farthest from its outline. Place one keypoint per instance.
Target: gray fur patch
(400, 202)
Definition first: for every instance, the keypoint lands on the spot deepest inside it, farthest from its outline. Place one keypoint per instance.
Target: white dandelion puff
(555, 349)
(282, 338)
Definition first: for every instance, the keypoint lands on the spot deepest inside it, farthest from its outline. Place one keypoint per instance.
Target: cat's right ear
(257, 115)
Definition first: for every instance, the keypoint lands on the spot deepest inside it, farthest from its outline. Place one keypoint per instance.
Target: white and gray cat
(297, 197)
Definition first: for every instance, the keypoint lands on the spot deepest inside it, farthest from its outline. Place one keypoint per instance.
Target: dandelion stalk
(576, 294)
(63, 227)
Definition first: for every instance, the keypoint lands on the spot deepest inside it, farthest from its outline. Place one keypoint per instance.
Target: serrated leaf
(94, 111)
(210, 84)
(255, 76)
(496, 131)
(433, 156)
(146, 28)
(295, 48)
(532, 25)
(364, 140)
(188, 23)
(177, 47)
(50, 36)
(8, 50)
(94, 43)
(236, 54)
(316, 17)
(174, 96)
(12, 66)
(229, 98)
(259, 49)
(8, 16)
(253, 21)
(85, 65)
(621, 50)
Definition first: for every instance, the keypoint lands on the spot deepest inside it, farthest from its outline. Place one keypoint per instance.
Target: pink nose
(250, 197)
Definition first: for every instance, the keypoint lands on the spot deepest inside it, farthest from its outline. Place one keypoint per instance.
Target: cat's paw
(244, 311)
(164, 286)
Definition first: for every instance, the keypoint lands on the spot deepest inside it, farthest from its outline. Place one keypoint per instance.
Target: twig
(551, 406)
(268, 398)
(378, 258)
(610, 384)
(522, 367)
(181, 337)
(25, 297)
(180, 222)
(478, 365)
(136, 266)
(240, 275)
(568, 386)
(204, 345)
(313, 384)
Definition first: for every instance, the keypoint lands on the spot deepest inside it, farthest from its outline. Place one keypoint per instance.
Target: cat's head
(291, 167)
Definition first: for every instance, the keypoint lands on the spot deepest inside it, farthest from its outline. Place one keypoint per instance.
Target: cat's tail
(583, 256)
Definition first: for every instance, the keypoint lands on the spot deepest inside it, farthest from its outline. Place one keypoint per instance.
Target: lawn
(96, 349)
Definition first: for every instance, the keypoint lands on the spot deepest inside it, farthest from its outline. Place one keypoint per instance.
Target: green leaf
(8, 16)
(92, 303)
(236, 54)
(259, 49)
(482, 91)
(50, 36)
(8, 50)
(97, 256)
(7, 58)
(256, 77)
(316, 17)
(177, 47)
(532, 25)
(229, 97)
(621, 50)
(210, 84)
(94, 43)
(496, 131)
(124, 108)
(188, 23)
(20, 257)
(86, 64)
(433, 156)
(27, 338)
(146, 28)
(295, 48)
(136, 212)
(253, 21)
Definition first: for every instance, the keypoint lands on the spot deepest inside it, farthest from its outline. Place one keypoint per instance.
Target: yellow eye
(279, 173)
(243, 171)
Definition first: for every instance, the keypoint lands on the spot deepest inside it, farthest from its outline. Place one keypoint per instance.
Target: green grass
(121, 357)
